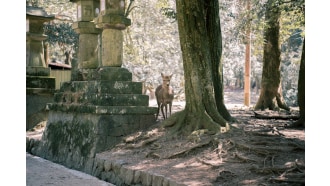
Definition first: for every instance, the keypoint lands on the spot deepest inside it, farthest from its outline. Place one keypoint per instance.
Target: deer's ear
(171, 75)
(162, 74)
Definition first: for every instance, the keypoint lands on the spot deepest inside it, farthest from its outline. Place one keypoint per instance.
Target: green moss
(75, 135)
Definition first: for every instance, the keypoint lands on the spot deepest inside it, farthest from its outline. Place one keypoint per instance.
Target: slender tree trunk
(247, 74)
(271, 91)
(215, 39)
(201, 110)
(301, 91)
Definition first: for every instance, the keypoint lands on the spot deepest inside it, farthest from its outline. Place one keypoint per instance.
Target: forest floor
(254, 152)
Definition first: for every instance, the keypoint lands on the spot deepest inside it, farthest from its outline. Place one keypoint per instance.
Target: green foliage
(61, 34)
(169, 13)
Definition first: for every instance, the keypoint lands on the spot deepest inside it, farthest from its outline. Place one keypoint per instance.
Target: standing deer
(164, 95)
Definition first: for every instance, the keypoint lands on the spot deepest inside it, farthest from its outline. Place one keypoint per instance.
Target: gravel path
(41, 172)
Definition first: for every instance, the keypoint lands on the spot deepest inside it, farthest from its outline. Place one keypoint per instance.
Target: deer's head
(166, 79)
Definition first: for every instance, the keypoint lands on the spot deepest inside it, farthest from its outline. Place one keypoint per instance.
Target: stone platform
(90, 115)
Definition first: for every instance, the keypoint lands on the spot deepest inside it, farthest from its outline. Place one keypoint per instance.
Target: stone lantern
(40, 86)
(35, 61)
(88, 53)
(87, 10)
(112, 20)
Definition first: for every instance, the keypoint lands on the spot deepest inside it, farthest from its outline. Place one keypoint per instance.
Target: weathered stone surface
(107, 165)
(98, 167)
(102, 99)
(88, 53)
(127, 175)
(146, 178)
(137, 177)
(85, 28)
(112, 110)
(157, 180)
(40, 82)
(102, 87)
(36, 101)
(112, 42)
(103, 73)
(37, 71)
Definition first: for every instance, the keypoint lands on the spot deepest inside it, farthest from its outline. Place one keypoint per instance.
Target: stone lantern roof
(38, 13)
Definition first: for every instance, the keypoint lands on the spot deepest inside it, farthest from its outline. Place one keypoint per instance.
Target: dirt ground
(254, 152)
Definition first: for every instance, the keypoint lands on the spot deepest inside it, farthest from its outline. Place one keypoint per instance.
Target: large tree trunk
(215, 39)
(301, 91)
(201, 110)
(271, 91)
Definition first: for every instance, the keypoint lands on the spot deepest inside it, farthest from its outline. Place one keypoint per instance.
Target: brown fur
(164, 95)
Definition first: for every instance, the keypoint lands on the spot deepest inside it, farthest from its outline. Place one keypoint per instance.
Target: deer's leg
(166, 110)
(157, 110)
(170, 105)
(162, 108)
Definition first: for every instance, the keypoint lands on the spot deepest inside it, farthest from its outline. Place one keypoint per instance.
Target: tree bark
(301, 91)
(215, 39)
(271, 91)
(200, 111)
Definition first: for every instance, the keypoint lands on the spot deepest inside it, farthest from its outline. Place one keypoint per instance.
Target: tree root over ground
(251, 150)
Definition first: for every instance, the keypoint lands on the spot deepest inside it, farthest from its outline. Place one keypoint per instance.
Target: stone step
(102, 99)
(40, 91)
(110, 87)
(40, 82)
(112, 110)
(103, 73)
(37, 71)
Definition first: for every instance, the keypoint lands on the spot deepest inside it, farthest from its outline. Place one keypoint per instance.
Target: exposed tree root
(209, 163)
(243, 158)
(186, 151)
(258, 150)
(283, 117)
(184, 123)
(142, 143)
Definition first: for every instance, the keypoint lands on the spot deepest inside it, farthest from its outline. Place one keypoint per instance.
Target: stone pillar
(88, 44)
(112, 21)
(112, 48)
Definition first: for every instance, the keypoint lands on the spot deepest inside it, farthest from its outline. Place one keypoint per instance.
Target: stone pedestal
(101, 104)
(91, 115)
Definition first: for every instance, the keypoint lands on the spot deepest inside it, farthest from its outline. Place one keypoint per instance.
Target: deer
(164, 95)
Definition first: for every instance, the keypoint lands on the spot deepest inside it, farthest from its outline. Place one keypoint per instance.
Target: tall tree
(301, 91)
(271, 92)
(198, 24)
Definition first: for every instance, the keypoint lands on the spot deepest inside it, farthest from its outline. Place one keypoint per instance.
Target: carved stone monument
(92, 112)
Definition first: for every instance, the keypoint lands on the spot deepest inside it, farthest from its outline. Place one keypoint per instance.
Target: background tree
(195, 33)
(271, 89)
(301, 91)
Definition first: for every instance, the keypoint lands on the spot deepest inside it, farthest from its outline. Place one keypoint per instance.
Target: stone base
(91, 115)
(37, 71)
(36, 101)
(72, 139)
(45, 82)
(40, 91)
